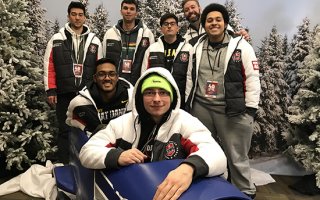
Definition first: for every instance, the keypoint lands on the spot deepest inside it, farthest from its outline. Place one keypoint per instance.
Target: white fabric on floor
(263, 167)
(278, 165)
(261, 178)
(37, 181)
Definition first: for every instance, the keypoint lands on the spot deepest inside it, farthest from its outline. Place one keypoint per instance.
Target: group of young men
(188, 91)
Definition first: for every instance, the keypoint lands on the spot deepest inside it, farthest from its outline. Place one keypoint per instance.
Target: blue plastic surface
(139, 181)
(65, 179)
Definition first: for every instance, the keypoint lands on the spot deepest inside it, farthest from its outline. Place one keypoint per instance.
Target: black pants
(64, 129)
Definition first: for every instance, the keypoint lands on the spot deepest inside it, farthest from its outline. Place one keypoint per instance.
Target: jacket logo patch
(171, 150)
(184, 57)
(92, 48)
(255, 65)
(144, 42)
(236, 57)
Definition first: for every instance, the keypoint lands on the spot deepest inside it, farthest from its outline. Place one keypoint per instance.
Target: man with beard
(103, 99)
(127, 41)
(192, 12)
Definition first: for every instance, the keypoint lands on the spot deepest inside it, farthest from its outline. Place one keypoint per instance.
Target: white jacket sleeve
(94, 152)
(251, 67)
(145, 62)
(203, 145)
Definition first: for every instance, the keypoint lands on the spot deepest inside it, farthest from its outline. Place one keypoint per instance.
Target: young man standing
(224, 90)
(192, 12)
(172, 52)
(69, 63)
(155, 130)
(127, 42)
(103, 99)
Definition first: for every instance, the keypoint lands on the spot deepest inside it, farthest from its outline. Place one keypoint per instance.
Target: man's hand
(176, 182)
(244, 33)
(131, 156)
(52, 100)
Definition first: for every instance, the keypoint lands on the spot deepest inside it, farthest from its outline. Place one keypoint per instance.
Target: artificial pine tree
(235, 20)
(151, 12)
(100, 21)
(300, 48)
(38, 24)
(271, 122)
(25, 131)
(55, 28)
(304, 113)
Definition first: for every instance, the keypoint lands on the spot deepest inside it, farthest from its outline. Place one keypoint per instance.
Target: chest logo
(92, 48)
(171, 150)
(236, 57)
(184, 57)
(144, 42)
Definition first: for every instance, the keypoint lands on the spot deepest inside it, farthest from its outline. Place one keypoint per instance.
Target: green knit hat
(156, 81)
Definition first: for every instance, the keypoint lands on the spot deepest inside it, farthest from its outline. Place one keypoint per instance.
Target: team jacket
(88, 110)
(241, 77)
(59, 74)
(112, 47)
(180, 136)
(154, 57)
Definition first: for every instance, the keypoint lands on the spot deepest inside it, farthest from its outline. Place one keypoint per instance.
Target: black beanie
(214, 7)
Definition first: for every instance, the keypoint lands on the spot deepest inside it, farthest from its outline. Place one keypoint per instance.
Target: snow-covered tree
(100, 21)
(25, 131)
(235, 19)
(299, 50)
(151, 12)
(56, 27)
(38, 25)
(271, 121)
(304, 112)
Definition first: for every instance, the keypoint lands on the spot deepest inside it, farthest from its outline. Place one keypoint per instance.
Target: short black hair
(76, 4)
(167, 16)
(106, 60)
(214, 7)
(130, 2)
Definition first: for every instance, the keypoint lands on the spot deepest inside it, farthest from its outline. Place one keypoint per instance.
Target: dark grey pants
(235, 135)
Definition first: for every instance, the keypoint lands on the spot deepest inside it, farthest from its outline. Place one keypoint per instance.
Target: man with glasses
(171, 52)
(155, 130)
(127, 41)
(103, 99)
(69, 63)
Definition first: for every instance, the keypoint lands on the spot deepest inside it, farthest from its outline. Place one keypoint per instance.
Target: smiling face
(215, 26)
(129, 12)
(192, 10)
(157, 102)
(76, 18)
(106, 77)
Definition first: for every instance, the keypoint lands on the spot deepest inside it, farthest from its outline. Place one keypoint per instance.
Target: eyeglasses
(102, 74)
(152, 93)
(166, 24)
